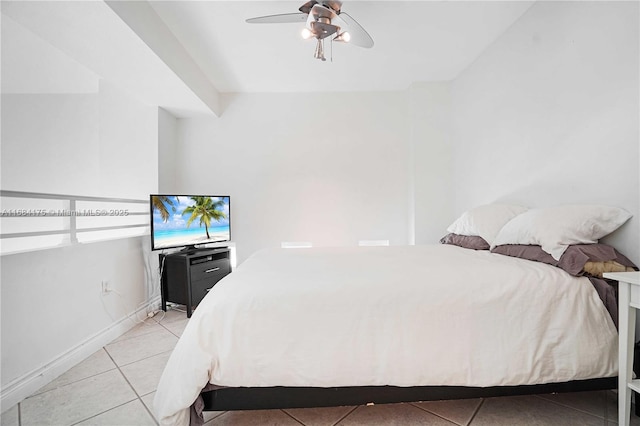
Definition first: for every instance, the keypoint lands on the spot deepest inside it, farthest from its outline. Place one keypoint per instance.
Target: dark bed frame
(225, 399)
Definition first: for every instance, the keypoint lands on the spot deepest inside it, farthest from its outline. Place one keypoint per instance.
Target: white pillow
(485, 221)
(555, 228)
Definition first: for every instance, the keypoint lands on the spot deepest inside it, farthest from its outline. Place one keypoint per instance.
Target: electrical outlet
(106, 287)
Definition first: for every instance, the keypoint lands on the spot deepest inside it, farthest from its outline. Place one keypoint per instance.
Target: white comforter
(404, 316)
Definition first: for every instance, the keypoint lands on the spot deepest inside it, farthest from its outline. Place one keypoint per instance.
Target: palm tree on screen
(160, 203)
(206, 210)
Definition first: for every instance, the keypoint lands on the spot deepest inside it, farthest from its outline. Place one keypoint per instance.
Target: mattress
(401, 315)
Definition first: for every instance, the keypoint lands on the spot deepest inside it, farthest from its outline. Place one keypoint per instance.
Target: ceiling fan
(323, 18)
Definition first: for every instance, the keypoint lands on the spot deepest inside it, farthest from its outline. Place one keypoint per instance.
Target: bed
(334, 326)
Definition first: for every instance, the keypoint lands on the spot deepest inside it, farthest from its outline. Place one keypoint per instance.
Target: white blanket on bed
(400, 315)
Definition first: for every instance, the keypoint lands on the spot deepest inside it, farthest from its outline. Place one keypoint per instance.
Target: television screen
(188, 220)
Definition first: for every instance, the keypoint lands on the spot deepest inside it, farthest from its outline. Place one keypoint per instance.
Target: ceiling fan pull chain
(332, 50)
(323, 58)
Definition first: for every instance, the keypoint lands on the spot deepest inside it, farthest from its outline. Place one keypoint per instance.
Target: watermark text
(62, 212)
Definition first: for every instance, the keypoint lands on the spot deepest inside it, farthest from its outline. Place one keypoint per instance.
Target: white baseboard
(24, 386)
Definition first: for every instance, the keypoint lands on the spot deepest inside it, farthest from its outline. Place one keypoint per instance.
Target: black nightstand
(188, 276)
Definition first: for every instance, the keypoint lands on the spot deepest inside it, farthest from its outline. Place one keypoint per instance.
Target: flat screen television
(189, 220)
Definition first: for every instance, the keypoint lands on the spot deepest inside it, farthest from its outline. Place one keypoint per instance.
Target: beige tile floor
(116, 385)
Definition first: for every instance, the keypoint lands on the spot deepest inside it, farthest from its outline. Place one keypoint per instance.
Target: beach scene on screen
(189, 220)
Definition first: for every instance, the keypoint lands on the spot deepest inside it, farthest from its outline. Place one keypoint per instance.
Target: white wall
(549, 114)
(53, 314)
(326, 168)
(42, 135)
(431, 160)
(79, 144)
(546, 115)
(128, 155)
(167, 151)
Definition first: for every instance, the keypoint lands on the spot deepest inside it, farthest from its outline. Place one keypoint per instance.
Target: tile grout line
(435, 414)
(290, 415)
(121, 339)
(141, 359)
(346, 415)
(115, 366)
(37, 393)
(572, 408)
(214, 417)
(102, 412)
(162, 325)
(120, 405)
(217, 417)
(332, 424)
(287, 414)
(137, 337)
(133, 389)
(475, 413)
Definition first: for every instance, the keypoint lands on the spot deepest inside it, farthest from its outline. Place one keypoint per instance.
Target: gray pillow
(573, 260)
(466, 241)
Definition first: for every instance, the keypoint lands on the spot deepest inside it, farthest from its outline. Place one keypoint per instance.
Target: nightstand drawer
(206, 270)
(199, 289)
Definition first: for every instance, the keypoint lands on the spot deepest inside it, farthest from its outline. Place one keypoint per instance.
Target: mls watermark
(62, 212)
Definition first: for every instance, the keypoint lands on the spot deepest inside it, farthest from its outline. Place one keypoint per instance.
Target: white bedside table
(628, 302)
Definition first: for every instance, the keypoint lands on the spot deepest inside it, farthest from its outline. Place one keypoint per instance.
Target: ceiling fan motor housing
(329, 4)
(323, 18)
(321, 27)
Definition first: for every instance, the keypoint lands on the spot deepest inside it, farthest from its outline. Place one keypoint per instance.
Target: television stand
(187, 276)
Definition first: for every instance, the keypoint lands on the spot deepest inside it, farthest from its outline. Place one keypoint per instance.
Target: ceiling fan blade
(283, 18)
(359, 36)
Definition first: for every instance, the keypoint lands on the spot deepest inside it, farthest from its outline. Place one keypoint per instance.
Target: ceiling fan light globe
(306, 33)
(343, 37)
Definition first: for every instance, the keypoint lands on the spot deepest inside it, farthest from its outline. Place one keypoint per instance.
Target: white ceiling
(414, 41)
(61, 46)
(182, 54)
